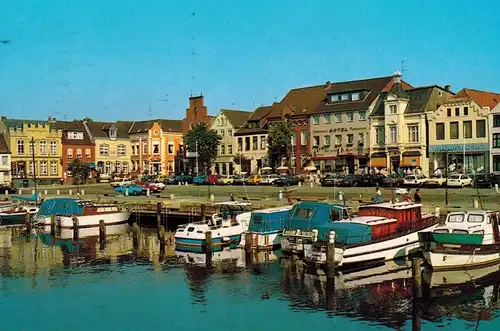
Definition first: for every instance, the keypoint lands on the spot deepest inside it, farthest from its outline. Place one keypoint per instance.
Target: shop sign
(480, 147)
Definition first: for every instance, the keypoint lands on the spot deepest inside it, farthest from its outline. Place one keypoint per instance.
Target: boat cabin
(268, 220)
(227, 212)
(308, 215)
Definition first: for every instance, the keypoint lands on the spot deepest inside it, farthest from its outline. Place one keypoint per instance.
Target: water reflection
(382, 295)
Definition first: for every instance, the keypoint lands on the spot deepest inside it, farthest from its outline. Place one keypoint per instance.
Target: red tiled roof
(482, 98)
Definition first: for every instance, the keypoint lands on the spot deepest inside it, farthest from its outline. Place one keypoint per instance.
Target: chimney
(4, 118)
(397, 77)
(447, 88)
(50, 118)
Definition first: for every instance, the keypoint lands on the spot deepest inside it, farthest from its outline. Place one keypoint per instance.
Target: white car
(160, 185)
(415, 180)
(268, 179)
(122, 182)
(458, 180)
(436, 180)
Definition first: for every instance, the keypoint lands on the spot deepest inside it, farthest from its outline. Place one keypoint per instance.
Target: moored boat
(87, 214)
(380, 232)
(466, 240)
(266, 226)
(17, 215)
(226, 227)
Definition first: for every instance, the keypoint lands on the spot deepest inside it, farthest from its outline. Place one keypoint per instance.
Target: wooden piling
(248, 242)
(102, 234)
(53, 225)
(27, 222)
(76, 228)
(135, 235)
(203, 212)
(208, 248)
(158, 217)
(161, 234)
(416, 273)
(330, 260)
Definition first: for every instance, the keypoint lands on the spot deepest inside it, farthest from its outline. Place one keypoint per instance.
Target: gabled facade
(251, 142)
(111, 146)
(495, 138)
(5, 162)
(38, 140)
(156, 147)
(76, 144)
(225, 124)
(398, 127)
(460, 131)
(297, 106)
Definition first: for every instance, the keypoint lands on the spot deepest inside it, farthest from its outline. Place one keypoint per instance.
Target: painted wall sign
(480, 147)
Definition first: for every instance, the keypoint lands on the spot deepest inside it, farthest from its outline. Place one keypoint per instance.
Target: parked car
(104, 178)
(152, 188)
(370, 180)
(484, 180)
(228, 180)
(200, 179)
(458, 180)
(182, 179)
(436, 180)
(213, 180)
(269, 179)
(349, 180)
(328, 180)
(133, 189)
(393, 180)
(415, 180)
(5, 189)
(122, 182)
(286, 180)
(239, 180)
(254, 180)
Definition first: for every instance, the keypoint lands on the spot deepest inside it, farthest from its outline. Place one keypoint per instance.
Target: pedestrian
(232, 197)
(417, 196)
(378, 196)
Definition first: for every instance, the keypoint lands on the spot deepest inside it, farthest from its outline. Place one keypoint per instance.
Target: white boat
(266, 227)
(466, 240)
(7, 206)
(17, 215)
(111, 230)
(381, 232)
(226, 227)
(87, 214)
(236, 254)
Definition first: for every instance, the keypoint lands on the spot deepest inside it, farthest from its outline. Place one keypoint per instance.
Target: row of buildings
(383, 123)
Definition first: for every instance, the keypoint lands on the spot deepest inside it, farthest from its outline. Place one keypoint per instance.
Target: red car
(152, 188)
(213, 180)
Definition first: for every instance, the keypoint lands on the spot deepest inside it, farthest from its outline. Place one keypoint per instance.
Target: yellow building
(112, 146)
(460, 129)
(35, 146)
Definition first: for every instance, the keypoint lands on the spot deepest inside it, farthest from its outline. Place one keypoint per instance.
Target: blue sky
(111, 59)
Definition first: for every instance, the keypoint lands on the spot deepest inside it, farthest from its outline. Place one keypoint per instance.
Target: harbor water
(51, 283)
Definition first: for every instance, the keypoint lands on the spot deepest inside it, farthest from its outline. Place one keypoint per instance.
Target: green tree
(87, 119)
(279, 140)
(79, 170)
(205, 141)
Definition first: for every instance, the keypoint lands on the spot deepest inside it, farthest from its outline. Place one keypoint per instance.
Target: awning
(378, 154)
(324, 158)
(412, 153)
(410, 161)
(379, 162)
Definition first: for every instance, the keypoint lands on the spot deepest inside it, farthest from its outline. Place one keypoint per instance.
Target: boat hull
(66, 222)
(264, 240)
(198, 244)
(476, 256)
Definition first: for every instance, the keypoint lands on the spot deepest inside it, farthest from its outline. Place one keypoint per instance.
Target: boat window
(303, 212)
(334, 214)
(441, 231)
(478, 232)
(475, 218)
(257, 219)
(458, 218)
(191, 229)
(457, 231)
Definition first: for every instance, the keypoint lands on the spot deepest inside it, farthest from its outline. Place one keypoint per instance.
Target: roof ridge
(479, 91)
(305, 87)
(361, 80)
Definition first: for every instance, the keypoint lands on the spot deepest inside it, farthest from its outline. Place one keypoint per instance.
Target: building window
(393, 130)
(263, 142)
(230, 149)
(380, 135)
(338, 117)
(43, 147)
(294, 139)
(125, 167)
(454, 130)
(362, 115)
(79, 153)
(118, 167)
(413, 134)
(316, 141)
(344, 97)
(457, 111)
(350, 116)
(355, 96)
(467, 129)
(350, 139)
(31, 147)
(326, 118)
(496, 121)
(43, 168)
(53, 147)
(88, 153)
(255, 143)
(480, 128)
(53, 168)
(121, 150)
(112, 133)
(75, 135)
(20, 147)
(361, 138)
(448, 112)
(144, 148)
(222, 149)
(104, 150)
(303, 138)
(107, 168)
(69, 153)
(133, 149)
(393, 109)
(315, 119)
(334, 98)
(247, 143)
(31, 168)
(229, 132)
(327, 140)
(5, 160)
(338, 139)
(496, 140)
(240, 144)
(496, 162)
(466, 111)
(439, 131)
(171, 148)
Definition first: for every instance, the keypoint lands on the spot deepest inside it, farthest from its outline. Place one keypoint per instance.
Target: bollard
(135, 235)
(475, 204)
(32, 192)
(45, 192)
(57, 192)
(212, 197)
(208, 248)
(70, 192)
(311, 184)
(186, 183)
(203, 212)
(76, 229)
(6, 193)
(179, 183)
(172, 196)
(148, 192)
(53, 225)
(330, 255)
(20, 191)
(83, 192)
(300, 184)
(416, 273)
(496, 187)
(280, 195)
(126, 191)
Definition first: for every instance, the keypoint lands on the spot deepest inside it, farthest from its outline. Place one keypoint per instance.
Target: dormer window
(344, 97)
(355, 96)
(112, 133)
(334, 98)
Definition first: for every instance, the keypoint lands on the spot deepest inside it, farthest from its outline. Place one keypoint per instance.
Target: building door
(350, 165)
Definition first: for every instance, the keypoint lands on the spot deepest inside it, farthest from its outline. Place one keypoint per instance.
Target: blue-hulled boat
(305, 219)
(266, 227)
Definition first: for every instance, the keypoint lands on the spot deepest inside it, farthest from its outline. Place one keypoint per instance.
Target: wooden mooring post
(416, 273)
(53, 225)
(203, 212)
(330, 255)
(76, 229)
(161, 234)
(27, 222)
(135, 235)
(158, 218)
(208, 248)
(102, 234)
(248, 249)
